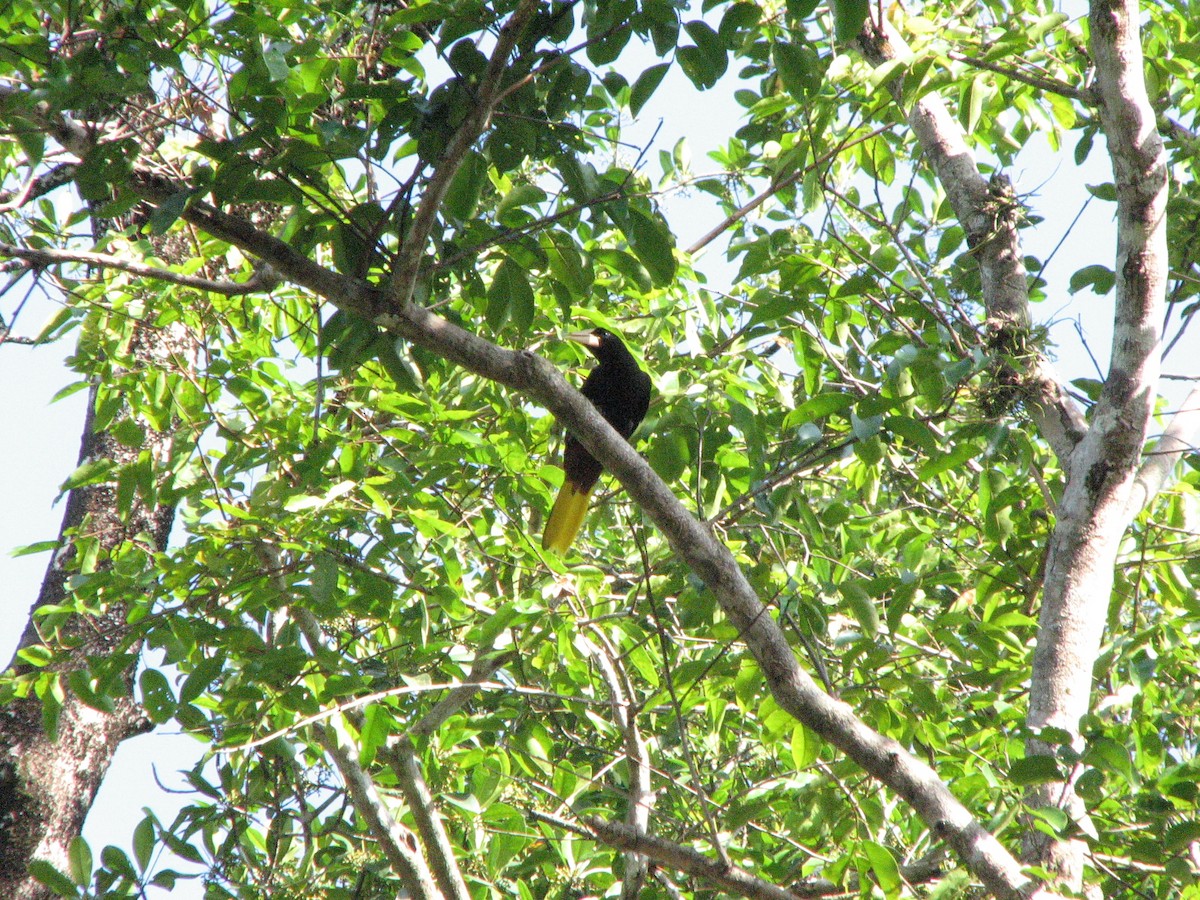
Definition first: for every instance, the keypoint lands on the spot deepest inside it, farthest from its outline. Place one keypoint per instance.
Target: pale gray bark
(1101, 459)
(989, 215)
(1098, 501)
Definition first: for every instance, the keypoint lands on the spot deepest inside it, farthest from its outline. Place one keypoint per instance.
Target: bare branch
(408, 260)
(990, 215)
(668, 854)
(401, 757)
(1049, 85)
(486, 664)
(640, 796)
(684, 859)
(397, 842)
(399, 845)
(37, 186)
(262, 279)
(1176, 441)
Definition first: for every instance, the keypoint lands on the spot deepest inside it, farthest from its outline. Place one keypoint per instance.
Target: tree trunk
(49, 780)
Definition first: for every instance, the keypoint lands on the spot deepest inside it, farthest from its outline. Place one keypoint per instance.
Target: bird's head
(602, 342)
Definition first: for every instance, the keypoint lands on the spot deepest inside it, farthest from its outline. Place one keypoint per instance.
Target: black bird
(620, 390)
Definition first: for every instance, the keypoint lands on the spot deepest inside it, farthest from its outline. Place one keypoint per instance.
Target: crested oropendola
(620, 390)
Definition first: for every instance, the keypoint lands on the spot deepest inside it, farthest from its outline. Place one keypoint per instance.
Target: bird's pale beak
(587, 338)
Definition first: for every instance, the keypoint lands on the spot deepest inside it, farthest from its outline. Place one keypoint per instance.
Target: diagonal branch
(539, 380)
(408, 260)
(399, 845)
(685, 859)
(640, 796)
(731, 878)
(989, 215)
(1176, 441)
(1046, 85)
(396, 841)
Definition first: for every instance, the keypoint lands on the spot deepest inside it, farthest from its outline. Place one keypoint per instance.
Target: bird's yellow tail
(565, 518)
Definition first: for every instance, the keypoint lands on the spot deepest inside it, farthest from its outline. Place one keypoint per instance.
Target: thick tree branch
(408, 260)
(539, 380)
(486, 664)
(1094, 511)
(398, 844)
(624, 837)
(989, 215)
(1099, 499)
(262, 279)
(401, 757)
(640, 798)
(677, 857)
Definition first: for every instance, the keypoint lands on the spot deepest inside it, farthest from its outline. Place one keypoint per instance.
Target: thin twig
(776, 186)
(1050, 85)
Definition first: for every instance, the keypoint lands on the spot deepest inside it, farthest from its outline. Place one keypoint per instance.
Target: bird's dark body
(620, 391)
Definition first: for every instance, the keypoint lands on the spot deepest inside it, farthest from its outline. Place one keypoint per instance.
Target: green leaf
(971, 107)
(645, 86)
(862, 605)
(90, 691)
(79, 855)
(54, 326)
(1181, 835)
(144, 842)
(93, 471)
(46, 874)
(806, 747)
(378, 725)
(510, 297)
(524, 194)
(652, 243)
(205, 673)
(957, 457)
(711, 47)
(819, 407)
(567, 264)
(1034, 770)
(884, 867)
(168, 211)
(462, 197)
(157, 697)
(865, 427)
(848, 18)
(1098, 277)
(627, 265)
(37, 655)
(115, 860)
(799, 69)
(324, 578)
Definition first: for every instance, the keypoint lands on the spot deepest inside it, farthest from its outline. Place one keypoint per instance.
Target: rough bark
(48, 783)
(1101, 460)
